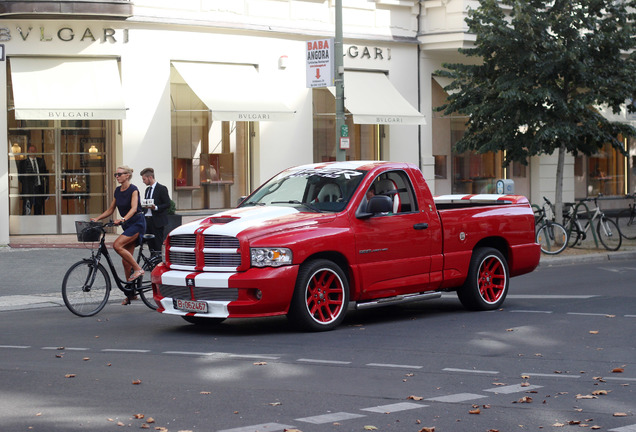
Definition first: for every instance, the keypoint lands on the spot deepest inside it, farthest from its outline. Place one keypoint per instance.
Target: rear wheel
(626, 221)
(144, 286)
(486, 285)
(85, 288)
(321, 296)
(609, 234)
(552, 238)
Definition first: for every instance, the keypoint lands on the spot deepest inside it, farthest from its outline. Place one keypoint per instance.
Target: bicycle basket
(88, 231)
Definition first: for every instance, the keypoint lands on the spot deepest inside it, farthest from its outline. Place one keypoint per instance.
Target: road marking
(530, 311)
(254, 356)
(552, 375)
(125, 350)
(516, 388)
(459, 397)
(306, 360)
(630, 316)
(587, 314)
(629, 428)
(15, 346)
(265, 427)
(619, 379)
(65, 349)
(391, 408)
(394, 365)
(187, 353)
(471, 371)
(330, 418)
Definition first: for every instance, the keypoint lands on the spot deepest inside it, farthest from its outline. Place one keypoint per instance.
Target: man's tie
(148, 191)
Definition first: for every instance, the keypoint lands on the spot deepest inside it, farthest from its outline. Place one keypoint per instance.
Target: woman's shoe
(136, 274)
(127, 300)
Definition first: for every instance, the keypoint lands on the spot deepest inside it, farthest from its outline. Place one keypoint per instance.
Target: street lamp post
(341, 153)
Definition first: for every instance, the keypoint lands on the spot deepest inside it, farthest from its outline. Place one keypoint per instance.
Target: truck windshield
(309, 189)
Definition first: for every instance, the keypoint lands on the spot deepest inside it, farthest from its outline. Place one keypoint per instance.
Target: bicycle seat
(148, 237)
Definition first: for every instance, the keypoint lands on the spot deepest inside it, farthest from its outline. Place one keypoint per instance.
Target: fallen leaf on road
(136, 382)
(139, 416)
(427, 429)
(205, 393)
(599, 392)
(369, 427)
(417, 398)
(593, 331)
(580, 396)
(261, 363)
(618, 370)
(474, 411)
(620, 414)
(525, 399)
(86, 358)
(558, 424)
(69, 376)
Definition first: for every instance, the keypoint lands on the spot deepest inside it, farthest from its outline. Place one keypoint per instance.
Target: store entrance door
(57, 173)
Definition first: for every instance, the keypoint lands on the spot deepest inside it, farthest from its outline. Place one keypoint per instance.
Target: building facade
(213, 95)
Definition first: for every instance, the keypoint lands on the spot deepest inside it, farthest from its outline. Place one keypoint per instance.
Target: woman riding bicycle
(128, 204)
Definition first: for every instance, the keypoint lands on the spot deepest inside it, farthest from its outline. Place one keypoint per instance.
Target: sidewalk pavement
(32, 267)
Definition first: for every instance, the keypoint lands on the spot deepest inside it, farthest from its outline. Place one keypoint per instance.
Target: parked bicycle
(626, 220)
(607, 230)
(551, 235)
(86, 285)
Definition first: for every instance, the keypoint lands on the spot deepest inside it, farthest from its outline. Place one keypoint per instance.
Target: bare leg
(125, 246)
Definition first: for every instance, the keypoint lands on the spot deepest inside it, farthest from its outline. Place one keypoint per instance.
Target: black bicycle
(626, 220)
(550, 235)
(86, 285)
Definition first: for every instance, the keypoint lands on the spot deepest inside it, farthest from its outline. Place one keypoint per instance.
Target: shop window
(365, 140)
(440, 167)
(211, 160)
(606, 172)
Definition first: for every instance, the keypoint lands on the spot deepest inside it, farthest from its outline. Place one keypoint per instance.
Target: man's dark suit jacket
(162, 201)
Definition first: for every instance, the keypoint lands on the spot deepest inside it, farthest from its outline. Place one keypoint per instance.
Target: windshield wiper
(306, 205)
(253, 203)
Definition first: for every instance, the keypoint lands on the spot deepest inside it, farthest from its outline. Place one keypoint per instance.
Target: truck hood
(254, 222)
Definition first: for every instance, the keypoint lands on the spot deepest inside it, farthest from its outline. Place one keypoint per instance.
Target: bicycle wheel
(552, 237)
(626, 221)
(609, 234)
(144, 285)
(85, 288)
(574, 232)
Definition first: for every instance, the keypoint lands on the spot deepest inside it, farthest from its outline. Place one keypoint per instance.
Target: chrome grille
(200, 293)
(222, 260)
(182, 258)
(183, 240)
(173, 291)
(219, 241)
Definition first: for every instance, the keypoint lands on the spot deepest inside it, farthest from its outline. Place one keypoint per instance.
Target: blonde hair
(128, 170)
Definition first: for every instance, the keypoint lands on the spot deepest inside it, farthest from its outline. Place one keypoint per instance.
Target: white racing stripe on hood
(245, 218)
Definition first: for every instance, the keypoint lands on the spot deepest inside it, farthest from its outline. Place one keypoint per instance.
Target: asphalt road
(561, 353)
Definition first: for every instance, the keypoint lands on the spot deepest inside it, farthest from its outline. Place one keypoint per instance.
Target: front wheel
(552, 238)
(626, 221)
(609, 234)
(487, 282)
(321, 296)
(85, 288)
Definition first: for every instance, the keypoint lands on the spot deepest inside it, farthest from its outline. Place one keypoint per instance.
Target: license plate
(190, 305)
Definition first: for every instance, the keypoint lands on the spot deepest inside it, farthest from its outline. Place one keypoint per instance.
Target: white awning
(233, 92)
(67, 89)
(444, 82)
(372, 99)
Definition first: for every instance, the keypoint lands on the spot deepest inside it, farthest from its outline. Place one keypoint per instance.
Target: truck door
(393, 250)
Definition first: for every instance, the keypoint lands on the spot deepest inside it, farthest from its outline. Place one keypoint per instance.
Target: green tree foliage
(541, 70)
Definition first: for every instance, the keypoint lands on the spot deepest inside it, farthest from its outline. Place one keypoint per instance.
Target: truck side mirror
(377, 204)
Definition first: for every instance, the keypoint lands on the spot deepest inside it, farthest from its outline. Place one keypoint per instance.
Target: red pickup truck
(318, 239)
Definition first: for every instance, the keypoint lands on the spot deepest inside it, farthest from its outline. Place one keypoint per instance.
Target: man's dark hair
(148, 171)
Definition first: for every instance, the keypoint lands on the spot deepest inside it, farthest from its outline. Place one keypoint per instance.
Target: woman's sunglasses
(119, 174)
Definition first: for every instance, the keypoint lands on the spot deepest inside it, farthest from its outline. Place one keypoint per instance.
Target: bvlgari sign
(63, 34)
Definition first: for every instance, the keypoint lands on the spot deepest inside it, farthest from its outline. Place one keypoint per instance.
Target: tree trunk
(558, 191)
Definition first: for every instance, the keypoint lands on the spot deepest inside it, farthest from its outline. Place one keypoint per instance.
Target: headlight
(270, 257)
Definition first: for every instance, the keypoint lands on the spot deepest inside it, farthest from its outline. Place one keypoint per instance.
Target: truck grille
(214, 251)
(200, 293)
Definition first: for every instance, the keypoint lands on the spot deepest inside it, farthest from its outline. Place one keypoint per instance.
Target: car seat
(389, 188)
(330, 192)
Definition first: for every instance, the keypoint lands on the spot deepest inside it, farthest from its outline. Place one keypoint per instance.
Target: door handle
(420, 226)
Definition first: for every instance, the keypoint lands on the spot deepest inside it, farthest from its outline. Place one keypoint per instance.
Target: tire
(321, 296)
(553, 238)
(144, 286)
(626, 221)
(85, 289)
(486, 285)
(203, 322)
(609, 234)
(575, 236)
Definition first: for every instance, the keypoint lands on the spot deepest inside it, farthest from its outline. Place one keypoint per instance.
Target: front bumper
(257, 292)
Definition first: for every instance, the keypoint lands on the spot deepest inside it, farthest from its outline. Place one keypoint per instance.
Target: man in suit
(157, 213)
(34, 185)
